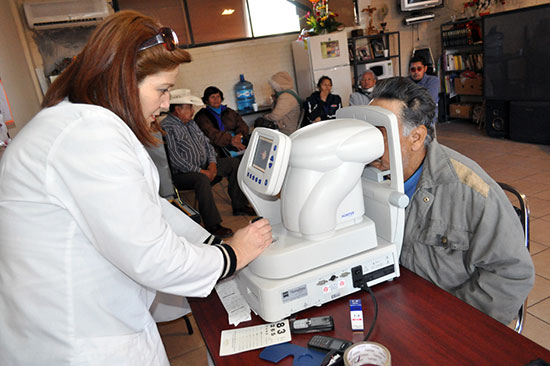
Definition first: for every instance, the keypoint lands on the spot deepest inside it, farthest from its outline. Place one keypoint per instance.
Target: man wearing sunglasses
(418, 68)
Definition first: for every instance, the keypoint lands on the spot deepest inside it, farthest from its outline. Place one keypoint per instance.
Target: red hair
(109, 69)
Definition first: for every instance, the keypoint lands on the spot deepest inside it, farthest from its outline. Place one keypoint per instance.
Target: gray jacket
(360, 98)
(462, 234)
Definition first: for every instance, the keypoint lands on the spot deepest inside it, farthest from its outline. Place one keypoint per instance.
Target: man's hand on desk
(251, 241)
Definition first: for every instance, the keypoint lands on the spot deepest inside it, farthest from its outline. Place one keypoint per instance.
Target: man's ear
(417, 137)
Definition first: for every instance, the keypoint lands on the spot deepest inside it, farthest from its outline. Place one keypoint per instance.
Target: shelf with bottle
(367, 49)
(374, 48)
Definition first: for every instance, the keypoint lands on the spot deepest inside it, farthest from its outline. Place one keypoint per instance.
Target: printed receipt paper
(245, 339)
(234, 303)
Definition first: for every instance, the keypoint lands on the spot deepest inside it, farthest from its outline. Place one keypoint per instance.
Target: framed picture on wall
(377, 45)
(363, 50)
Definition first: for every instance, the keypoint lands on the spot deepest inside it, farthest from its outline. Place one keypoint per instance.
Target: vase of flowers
(473, 7)
(320, 19)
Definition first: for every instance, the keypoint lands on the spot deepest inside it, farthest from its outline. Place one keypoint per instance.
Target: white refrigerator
(325, 54)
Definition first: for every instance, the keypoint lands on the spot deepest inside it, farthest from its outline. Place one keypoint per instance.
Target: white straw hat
(183, 96)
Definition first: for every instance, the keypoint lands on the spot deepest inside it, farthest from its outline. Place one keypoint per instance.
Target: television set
(516, 54)
(419, 5)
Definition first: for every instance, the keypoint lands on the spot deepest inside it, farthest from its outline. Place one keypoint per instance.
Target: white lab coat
(85, 240)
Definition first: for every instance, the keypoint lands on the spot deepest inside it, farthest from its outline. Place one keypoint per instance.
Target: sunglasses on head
(418, 68)
(165, 36)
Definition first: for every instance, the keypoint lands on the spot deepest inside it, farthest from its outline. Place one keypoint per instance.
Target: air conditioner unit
(65, 13)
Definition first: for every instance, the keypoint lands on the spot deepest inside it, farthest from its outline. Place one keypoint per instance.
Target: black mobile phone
(327, 344)
(309, 325)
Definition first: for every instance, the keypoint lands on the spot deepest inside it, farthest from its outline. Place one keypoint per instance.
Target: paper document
(234, 303)
(249, 338)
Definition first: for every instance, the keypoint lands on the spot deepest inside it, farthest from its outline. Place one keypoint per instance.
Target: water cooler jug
(244, 92)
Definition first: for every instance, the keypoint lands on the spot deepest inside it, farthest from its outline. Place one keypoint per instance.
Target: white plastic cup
(255, 107)
(386, 53)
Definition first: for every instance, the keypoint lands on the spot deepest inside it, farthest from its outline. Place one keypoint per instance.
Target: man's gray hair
(369, 71)
(418, 109)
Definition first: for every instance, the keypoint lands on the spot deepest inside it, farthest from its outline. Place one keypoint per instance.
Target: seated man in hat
(194, 165)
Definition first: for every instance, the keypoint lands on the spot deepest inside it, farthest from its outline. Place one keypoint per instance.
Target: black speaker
(496, 118)
(530, 122)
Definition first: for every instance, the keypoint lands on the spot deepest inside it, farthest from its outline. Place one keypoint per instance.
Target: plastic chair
(302, 116)
(523, 213)
(426, 54)
(303, 121)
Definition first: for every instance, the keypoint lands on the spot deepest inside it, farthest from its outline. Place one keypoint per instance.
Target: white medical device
(332, 213)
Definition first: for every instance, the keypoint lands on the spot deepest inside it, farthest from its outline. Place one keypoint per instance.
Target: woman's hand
(250, 241)
(237, 141)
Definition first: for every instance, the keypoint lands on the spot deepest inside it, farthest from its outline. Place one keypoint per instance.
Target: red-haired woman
(86, 241)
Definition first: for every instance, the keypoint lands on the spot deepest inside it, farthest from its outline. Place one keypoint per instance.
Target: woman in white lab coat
(85, 239)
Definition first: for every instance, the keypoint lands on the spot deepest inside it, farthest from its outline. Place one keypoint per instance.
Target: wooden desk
(419, 323)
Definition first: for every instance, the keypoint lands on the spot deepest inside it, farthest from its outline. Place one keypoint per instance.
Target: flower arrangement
(480, 5)
(320, 19)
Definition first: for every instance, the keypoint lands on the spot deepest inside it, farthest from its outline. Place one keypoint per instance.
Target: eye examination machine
(329, 212)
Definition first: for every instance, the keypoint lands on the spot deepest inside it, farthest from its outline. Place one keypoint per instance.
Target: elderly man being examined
(461, 231)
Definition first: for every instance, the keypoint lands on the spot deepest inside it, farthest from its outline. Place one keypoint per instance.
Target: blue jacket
(315, 107)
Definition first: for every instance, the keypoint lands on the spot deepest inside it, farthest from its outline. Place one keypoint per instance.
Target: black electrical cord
(367, 288)
(334, 358)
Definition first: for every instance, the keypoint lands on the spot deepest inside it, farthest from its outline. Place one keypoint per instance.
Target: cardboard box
(469, 86)
(463, 110)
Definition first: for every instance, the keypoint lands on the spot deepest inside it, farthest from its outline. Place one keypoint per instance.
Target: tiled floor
(525, 166)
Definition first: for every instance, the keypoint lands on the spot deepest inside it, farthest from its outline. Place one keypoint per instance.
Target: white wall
(220, 65)
(14, 68)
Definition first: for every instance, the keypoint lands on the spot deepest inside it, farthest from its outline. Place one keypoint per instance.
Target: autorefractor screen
(261, 154)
